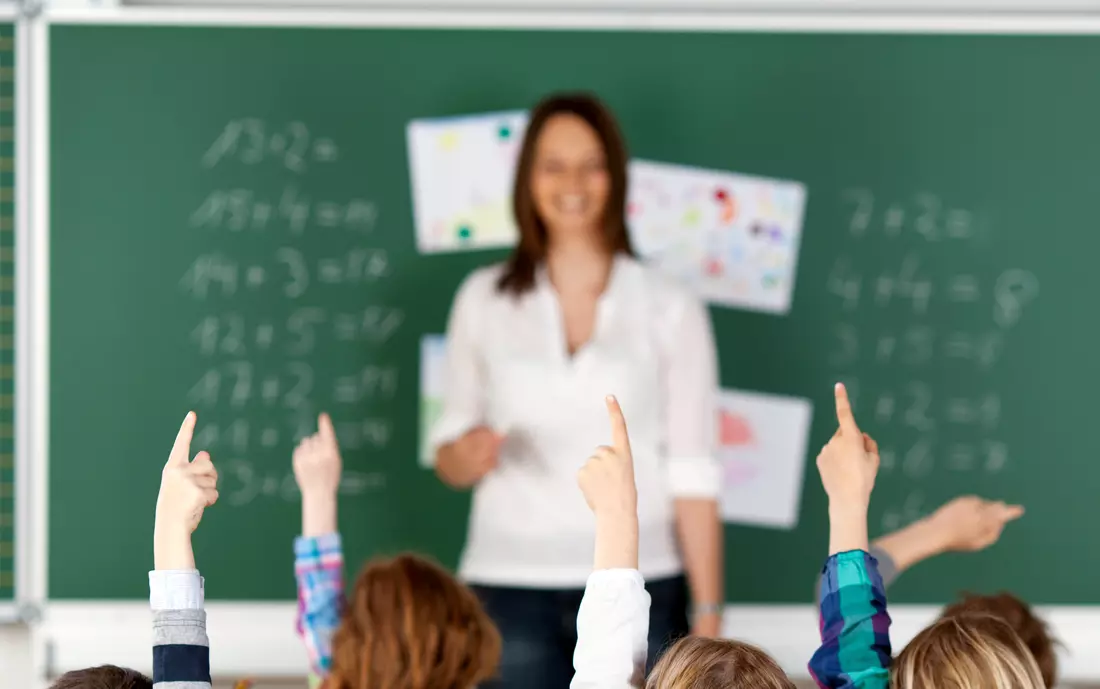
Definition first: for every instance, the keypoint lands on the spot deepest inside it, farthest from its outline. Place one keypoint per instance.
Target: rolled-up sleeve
(691, 387)
(612, 631)
(463, 376)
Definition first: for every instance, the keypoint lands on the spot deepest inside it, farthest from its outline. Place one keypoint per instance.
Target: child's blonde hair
(698, 663)
(1031, 629)
(970, 651)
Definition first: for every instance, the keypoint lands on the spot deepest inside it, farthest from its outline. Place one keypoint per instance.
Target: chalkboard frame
(77, 630)
(19, 606)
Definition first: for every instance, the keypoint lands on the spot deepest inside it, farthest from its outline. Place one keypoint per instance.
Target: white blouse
(508, 367)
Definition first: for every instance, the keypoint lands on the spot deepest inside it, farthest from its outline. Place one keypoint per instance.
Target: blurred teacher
(534, 345)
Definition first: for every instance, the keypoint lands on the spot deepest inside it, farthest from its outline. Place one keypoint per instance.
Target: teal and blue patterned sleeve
(855, 627)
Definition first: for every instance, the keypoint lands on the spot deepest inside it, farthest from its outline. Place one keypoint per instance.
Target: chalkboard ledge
(257, 639)
(9, 613)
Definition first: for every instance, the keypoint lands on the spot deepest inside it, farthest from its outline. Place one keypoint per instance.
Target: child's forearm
(616, 541)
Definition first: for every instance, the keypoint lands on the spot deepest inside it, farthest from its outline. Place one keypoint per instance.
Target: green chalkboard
(944, 272)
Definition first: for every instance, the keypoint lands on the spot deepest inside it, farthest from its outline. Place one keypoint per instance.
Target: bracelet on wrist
(705, 609)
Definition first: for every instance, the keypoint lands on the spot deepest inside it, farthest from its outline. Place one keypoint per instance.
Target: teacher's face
(569, 179)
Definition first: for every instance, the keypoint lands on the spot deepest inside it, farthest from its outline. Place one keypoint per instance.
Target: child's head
(409, 623)
(700, 663)
(1032, 631)
(968, 651)
(103, 677)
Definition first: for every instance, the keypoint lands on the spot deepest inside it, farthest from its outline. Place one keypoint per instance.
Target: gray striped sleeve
(181, 650)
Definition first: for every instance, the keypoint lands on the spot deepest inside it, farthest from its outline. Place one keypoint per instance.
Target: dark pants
(539, 628)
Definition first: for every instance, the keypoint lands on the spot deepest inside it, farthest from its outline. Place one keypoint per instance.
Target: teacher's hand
(467, 460)
(969, 523)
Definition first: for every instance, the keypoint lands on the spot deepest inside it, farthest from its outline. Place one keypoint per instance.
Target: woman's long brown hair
(411, 625)
(519, 273)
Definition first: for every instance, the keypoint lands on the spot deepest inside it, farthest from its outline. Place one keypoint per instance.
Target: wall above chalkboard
(232, 229)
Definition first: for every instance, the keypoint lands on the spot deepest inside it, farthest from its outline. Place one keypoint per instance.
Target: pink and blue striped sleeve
(319, 569)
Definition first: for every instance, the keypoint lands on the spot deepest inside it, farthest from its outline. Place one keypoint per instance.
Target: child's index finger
(844, 411)
(620, 439)
(324, 426)
(181, 449)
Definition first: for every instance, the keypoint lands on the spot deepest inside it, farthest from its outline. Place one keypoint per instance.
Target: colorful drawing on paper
(433, 350)
(462, 171)
(734, 238)
(761, 445)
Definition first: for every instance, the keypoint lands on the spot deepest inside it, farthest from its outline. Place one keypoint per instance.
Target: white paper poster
(433, 351)
(462, 171)
(733, 238)
(762, 448)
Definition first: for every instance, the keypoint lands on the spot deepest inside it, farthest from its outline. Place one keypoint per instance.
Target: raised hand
(187, 488)
(607, 478)
(607, 481)
(317, 470)
(848, 465)
(849, 462)
(317, 462)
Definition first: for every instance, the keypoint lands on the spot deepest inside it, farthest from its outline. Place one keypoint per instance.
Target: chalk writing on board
(964, 288)
(241, 210)
(923, 214)
(373, 382)
(273, 281)
(210, 272)
(844, 284)
(290, 269)
(985, 455)
(237, 383)
(252, 141)
(908, 281)
(912, 346)
(911, 406)
(372, 433)
(919, 407)
(996, 456)
(889, 332)
(1014, 290)
(919, 459)
(911, 509)
(233, 334)
(242, 483)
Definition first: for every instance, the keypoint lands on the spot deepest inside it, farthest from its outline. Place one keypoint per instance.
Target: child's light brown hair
(698, 663)
(969, 651)
(1033, 631)
(410, 625)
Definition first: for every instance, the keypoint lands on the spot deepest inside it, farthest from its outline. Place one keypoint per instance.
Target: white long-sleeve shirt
(508, 367)
(612, 631)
